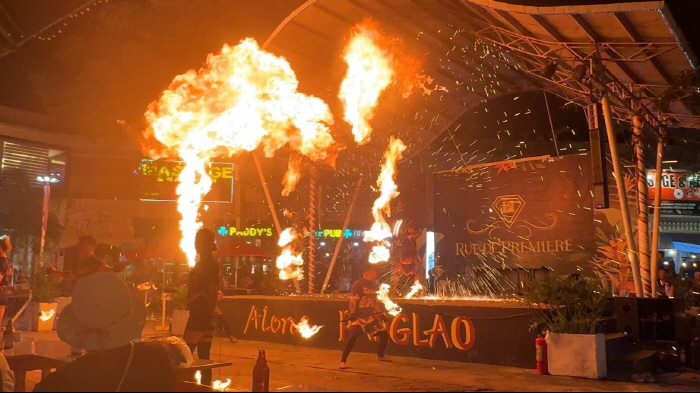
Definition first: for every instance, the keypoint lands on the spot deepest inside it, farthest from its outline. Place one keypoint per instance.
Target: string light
(59, 27)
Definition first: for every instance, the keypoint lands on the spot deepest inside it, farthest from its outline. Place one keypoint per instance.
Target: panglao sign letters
(529, 214)
(462, 331)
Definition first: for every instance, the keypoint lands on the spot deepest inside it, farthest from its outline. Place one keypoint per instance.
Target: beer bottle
(261, 374)
(8, 337)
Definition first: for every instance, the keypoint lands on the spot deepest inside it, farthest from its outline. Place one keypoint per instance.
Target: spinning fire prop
(305, 329)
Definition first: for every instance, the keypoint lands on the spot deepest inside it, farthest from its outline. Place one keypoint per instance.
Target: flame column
(642, 207)
(312, 229)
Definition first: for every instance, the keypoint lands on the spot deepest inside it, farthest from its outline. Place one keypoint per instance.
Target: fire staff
(366, 315)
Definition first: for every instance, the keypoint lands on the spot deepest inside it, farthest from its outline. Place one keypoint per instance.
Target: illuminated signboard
(680, 192)
(158, 181)
(263, 232)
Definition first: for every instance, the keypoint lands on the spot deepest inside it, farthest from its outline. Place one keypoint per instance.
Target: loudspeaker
(601, 192)
(647, 319)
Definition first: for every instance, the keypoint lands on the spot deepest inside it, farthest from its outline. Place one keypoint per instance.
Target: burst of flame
(221, 386)
(397, 227)
(305, 329)
(369, 73)
(383, 296)
(292, 176)
(198, 377)
(288, 262)
(388, 190)
(46, 316)
(375, 61)
(380, 253)
(146, 286)
(243, 99)
(417, 287)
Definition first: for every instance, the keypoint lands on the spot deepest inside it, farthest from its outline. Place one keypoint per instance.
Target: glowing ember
(221, 386)
(243, 99)
(388, 189)
(47, 315)
(289, 263)
(198, 377)
(417, 287)
(383, 296)
(305, 329)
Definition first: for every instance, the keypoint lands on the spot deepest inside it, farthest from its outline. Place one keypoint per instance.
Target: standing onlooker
(665, 285)
(88, 262)
(5, 273)
(104, 319)
(202, 296)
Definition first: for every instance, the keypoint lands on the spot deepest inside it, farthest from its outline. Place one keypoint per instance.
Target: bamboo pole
(642, 206)
(266, 190)
(656, 226)
(339, 245)
(622, 191)
(271, 204)
(311, 263)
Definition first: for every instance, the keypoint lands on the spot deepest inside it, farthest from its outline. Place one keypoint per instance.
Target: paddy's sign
(492, 335)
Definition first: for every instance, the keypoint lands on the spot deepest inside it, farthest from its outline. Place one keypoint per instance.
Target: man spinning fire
(366, 315)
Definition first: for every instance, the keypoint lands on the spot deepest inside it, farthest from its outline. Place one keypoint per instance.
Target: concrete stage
(478, 331)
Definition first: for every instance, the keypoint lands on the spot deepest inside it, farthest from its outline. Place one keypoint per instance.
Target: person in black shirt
(5, 273)
(88, 262)
(104, 319)
(366, 315)
(202, 296)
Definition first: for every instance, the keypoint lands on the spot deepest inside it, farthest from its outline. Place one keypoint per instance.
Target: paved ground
(295, 368)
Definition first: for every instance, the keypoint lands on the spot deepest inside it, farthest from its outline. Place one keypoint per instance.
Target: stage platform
(478, 331)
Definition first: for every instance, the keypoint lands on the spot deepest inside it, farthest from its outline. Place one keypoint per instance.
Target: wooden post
(311, 264)
(656, 226)
(642, 206)
(622, 191)
(339, 245)
(268, 196)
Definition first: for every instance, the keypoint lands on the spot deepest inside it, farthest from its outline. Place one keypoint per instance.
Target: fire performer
(202, 296)
(408, 260)
(366, 315)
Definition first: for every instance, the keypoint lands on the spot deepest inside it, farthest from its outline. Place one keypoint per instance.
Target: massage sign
(529, 214)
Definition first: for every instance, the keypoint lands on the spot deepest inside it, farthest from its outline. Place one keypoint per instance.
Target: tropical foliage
(572, 304)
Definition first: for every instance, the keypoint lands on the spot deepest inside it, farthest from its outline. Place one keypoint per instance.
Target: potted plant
(178, 301)
(45, 290)
(569, 310)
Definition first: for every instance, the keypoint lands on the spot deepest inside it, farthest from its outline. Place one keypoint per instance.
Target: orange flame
(46, 316)
(417, 287)
(376, 61)
(245, 98)
(381, 231)
(292, 176)
(305, 329)
(383, 296)
(288, 262)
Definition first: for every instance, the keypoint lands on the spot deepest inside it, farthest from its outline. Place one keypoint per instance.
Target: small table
(186, 374)
(32, 354)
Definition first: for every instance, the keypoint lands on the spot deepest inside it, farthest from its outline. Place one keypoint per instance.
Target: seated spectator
(103, 319)
(7, 377)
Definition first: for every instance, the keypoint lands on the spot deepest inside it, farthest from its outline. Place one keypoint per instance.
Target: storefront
(680, 219)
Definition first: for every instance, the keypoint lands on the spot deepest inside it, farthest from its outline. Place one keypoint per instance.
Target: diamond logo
(508, 208)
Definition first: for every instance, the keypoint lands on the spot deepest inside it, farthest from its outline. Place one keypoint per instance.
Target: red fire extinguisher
(541, 355)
